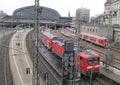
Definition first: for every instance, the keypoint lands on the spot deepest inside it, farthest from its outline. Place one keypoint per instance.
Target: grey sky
(62, 6)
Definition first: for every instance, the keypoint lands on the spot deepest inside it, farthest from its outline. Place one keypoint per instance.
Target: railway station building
(46, 15)
(28, 13)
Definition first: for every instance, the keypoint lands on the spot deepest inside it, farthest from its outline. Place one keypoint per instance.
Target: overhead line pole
(107, 43)
(78, 23)
(36, 32)
(78, 47)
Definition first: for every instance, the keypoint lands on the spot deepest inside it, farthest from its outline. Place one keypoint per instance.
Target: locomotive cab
(93, 64)
(87, 62)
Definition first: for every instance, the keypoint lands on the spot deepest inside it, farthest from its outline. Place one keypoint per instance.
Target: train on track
(101, 41)
(86, 61)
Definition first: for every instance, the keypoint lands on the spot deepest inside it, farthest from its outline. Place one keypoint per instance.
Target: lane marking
(26, 54)
(25, 50)
(16, 63)
(25, 59)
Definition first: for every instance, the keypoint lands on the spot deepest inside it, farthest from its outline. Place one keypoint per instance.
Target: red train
(85, 61)
(71, 30)
(42, 28)
(47, 39)
(91, 38)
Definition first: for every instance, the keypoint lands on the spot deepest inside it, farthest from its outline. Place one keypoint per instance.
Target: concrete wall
(117, 35)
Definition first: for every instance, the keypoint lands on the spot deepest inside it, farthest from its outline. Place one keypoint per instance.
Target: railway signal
(68, 64)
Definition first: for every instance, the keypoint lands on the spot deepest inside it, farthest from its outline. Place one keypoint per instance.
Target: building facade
(112, 17)
(83, 15)
(117, 35)
(2, 14)
(112, 12)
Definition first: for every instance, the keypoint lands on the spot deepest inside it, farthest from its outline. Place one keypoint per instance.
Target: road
(19, 59)
(5, 73)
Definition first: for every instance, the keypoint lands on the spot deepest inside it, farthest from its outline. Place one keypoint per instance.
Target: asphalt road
(19, 60)
(5, 72)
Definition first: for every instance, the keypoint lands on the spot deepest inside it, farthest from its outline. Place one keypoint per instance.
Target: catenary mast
(35, 61)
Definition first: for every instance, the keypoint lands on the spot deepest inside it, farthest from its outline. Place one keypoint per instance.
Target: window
(93, 60)
(88, 29)
(81, 59)
(96, 60)
(90, 60)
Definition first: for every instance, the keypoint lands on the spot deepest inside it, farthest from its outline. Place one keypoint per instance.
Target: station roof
(29, 12)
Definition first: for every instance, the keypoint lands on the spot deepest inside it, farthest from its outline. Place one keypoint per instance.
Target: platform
(110, 75)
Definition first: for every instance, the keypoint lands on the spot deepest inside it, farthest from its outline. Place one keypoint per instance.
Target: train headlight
(89, 67)
(97, 66)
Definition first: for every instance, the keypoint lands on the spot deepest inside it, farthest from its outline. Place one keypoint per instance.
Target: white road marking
(16, 65)
(27, 59)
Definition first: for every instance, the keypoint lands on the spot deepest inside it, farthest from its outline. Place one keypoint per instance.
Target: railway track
(102, 80)
(114, 52)
(5, 72)
(96, 80)
(53, 78)
(114, 60)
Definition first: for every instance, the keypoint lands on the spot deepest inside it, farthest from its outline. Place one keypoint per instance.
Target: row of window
(90, 30)
(28, 14)
(90, 60)
(115, 6)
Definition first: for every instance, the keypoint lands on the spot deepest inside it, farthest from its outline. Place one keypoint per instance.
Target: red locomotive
(85, 61)
(91, 38)
(58, 47)
(47, 39)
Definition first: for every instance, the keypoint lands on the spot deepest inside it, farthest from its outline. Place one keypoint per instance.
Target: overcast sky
(62, 6)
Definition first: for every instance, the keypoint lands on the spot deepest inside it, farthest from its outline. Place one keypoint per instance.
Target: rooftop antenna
(69, 14)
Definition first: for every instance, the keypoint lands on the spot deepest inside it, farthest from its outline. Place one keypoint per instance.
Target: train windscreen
(93, 60)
